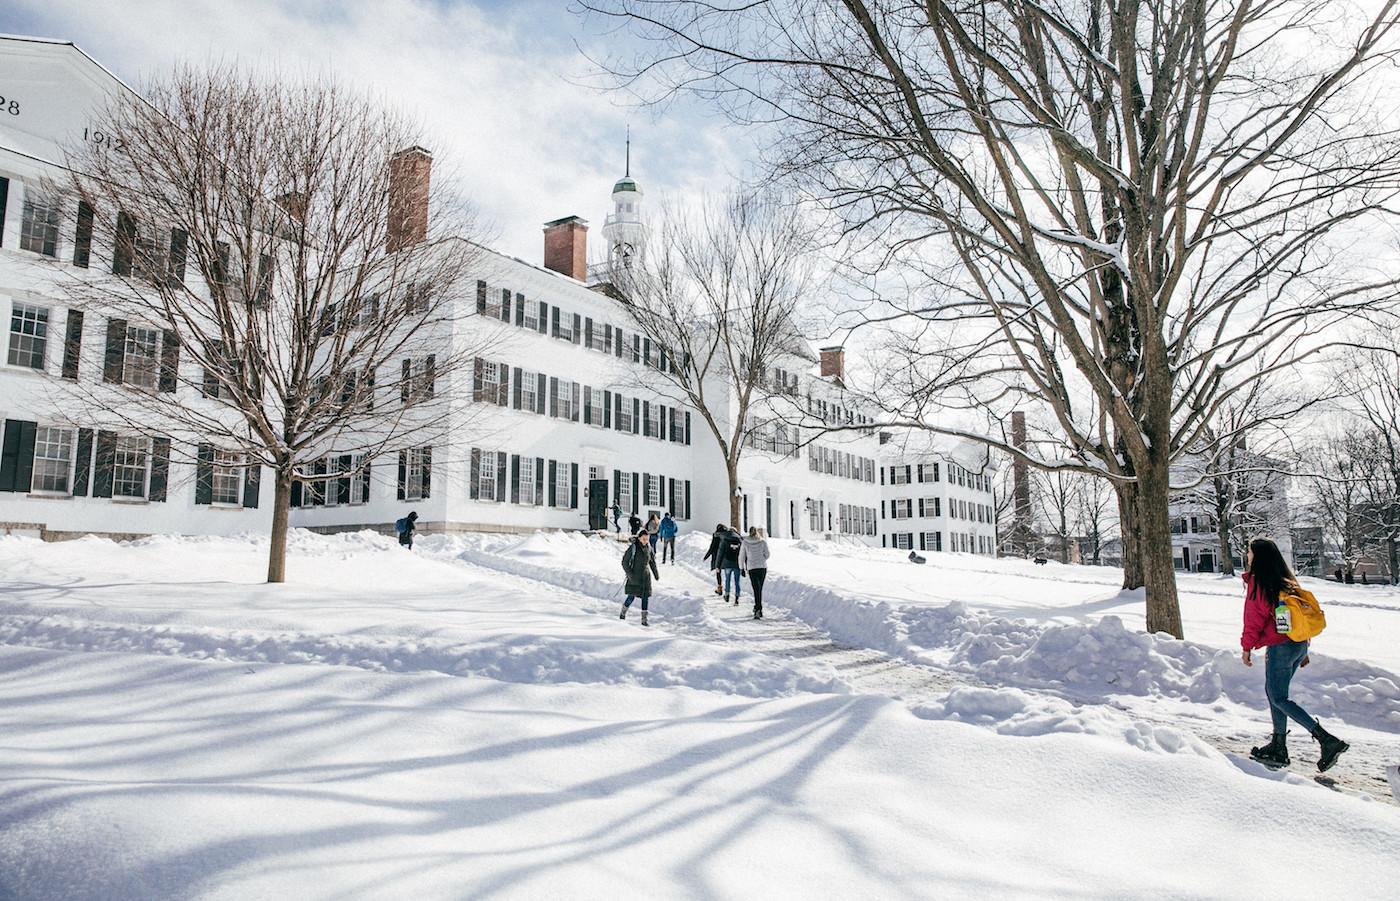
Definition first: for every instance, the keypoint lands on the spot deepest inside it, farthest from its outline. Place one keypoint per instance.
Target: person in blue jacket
(668, 531)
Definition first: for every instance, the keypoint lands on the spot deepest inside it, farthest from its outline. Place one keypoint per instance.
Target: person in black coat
(713, 554)
(634, 525)
(729, 563)
(639, 563)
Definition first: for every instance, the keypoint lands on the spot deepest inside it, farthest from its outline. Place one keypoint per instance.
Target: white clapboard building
(936, 495)
(66, 468)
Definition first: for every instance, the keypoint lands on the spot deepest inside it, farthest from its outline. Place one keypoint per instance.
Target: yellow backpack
(1305, 616)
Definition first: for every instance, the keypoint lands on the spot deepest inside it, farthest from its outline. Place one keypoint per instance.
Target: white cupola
(623, 231)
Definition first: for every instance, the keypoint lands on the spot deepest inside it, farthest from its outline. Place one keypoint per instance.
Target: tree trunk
(1127, 493)
(1394, 560)
(732, 468)
(1227, 562)
(1064, 537)
(277, 546)
(1155, 549)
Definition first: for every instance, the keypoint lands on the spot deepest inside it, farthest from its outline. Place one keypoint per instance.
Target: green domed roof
(625, 184)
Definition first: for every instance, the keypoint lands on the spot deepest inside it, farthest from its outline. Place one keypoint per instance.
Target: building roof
(625, 183)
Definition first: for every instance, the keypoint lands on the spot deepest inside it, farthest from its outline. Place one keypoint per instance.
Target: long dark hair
(1270, 570)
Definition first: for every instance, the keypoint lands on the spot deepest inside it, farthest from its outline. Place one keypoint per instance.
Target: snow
(472, 720)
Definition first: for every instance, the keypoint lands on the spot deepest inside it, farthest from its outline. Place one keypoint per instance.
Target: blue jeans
(732, 575)
(1280, 665)
(653, 537)
(628, 603)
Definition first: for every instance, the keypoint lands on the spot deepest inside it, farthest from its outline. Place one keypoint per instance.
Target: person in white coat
(753, 561)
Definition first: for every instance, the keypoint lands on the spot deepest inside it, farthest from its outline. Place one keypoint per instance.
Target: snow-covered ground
(472, 720)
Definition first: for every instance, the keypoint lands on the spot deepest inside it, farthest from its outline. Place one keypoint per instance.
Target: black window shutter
(882, 475)
(636, 416)
(587, 405)
(607, 409)
(426, 454)
(204, 474)
(574, 407)
(607, 337)
(4, 203)
(588, 331)
(578, 328)
(480, 297)
(687, 498)
(407, 378)
(517, 388)
(502, 385)
(403, 473)
(169, 361)
(430, 375)
(342, 484)
(106, 458)
(17, 456)
(160, 468)
(82, 465)
(209, 386)
(364, 482)
(252, 485)
(573, 486)
(553, 495)
(477, 366)
(923, 541)
(124, 245)
(179, 244)
(515, 478)
(539, 481)
(505, 305)
(554, 322)
(617, 486)
(115, 354)
(501, 476)
(73, 344)
(473, 490)
(646, 418)
(636, 348)
(635, 492)
(617, 344)
(617, 419)
(543, 323)
(687, 426)
(882, 509)
(646, 351)
(670, 500)
(540, 393)
(906, 474)
(921, 506)
(553, 396)
(519, 309)
(82, 239)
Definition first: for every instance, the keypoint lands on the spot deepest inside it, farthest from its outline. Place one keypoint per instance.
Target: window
(933, 506)
(622, 420)
(530, 319)
(130, 466)
(227, 478)
(566, 327)
(416, 474)
(562, 494)
(566, 399)
(38, 230)
(928, 472)
(529, 391)
(901, 508)
(486, 477)
(141, 361)
(624, 491)
(654, 421)
(903, 540)
(29, 332)
(933, 541)
(490, 380)
(598, 337)
(527, 480)
(595, 406)
(899, 475)
(53, 460)
(653, 490)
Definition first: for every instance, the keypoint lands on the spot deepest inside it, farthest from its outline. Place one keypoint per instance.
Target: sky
(499, 86)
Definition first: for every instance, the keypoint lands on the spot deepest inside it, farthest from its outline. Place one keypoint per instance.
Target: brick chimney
(566, 247)
(834, 363)
(409, 173)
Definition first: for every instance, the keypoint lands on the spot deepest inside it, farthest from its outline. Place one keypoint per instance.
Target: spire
(627, 168)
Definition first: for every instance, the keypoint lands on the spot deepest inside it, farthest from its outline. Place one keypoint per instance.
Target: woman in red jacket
(1266, 574)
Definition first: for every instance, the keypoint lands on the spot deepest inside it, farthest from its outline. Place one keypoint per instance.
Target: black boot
(1332, 748)
(1275, 753)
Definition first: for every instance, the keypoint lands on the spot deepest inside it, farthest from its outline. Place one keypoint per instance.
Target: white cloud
(494, 87)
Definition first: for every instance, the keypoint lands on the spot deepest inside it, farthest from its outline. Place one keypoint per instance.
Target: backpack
(1305, 613)
(401, 526)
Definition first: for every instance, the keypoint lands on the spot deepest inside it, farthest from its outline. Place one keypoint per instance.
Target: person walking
(617, 518)
(653, 531)
(1266, 575)
(729, 563)
(404, 529)
(634, 525)
(753, 562)
(713, 555)
(668, 532)
(639, 563)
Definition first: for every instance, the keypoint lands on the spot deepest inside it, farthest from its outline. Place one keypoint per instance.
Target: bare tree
(1370, 380)
(278, 288)
(1054, 492)
(1339, 465)
(715, 294)
(1096, 514)
(1136, 201)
